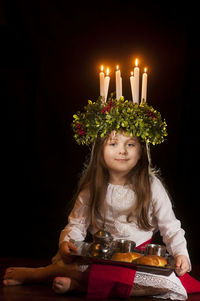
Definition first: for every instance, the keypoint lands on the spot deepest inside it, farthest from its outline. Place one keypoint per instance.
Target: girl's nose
(122, 150)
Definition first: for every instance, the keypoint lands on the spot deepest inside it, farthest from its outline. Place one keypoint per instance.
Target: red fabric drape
(190, 284)
(111, 281)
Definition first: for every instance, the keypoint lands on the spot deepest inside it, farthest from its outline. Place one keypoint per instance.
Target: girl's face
(121, 153)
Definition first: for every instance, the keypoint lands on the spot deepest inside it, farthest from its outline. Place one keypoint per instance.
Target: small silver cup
(124, 246)
(154, 249)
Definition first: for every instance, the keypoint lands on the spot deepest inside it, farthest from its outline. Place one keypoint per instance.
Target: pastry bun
(153, 260)
(127, 257)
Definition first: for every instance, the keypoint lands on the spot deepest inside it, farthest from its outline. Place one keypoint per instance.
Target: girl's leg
(17, 276)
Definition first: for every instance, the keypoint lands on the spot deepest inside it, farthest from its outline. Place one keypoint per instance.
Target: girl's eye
(131, 144)
(112, 144)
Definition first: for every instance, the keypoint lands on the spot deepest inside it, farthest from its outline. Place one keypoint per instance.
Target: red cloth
(110, 281)
(190, 284)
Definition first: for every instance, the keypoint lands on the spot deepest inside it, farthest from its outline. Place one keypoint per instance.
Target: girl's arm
(78, 220)
(169, 226)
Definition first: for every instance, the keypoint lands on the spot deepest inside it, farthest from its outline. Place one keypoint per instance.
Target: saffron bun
(153, 260)
(127, 257)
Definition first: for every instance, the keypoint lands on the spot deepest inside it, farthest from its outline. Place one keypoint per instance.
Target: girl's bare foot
(62, 285)
(18, 276)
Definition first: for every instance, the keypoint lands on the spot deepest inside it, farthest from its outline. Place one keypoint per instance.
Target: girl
(117, 191)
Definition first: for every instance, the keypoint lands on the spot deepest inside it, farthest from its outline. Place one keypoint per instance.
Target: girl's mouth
(121, 159)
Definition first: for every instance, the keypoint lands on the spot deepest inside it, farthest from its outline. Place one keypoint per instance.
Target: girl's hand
(65, 249)
(182, 265)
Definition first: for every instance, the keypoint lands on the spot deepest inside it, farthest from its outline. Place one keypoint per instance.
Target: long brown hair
(95, 178)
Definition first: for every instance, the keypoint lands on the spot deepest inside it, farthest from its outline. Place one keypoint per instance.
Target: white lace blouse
(119, 200)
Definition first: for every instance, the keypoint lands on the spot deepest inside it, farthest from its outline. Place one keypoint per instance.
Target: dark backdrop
(51, 54)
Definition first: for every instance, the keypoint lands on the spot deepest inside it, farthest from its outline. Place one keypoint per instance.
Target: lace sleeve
(78, 221)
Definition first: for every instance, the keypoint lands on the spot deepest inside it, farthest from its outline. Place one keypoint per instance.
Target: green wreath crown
(99, 119)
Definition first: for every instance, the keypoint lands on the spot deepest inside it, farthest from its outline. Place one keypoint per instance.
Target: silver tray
(85, 258)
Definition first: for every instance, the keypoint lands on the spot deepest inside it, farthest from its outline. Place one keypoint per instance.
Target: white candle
(132, 82)
(106, 83)
(144, 86)
(136, 84)
(118, 82)
(101, 78)
(120, 91)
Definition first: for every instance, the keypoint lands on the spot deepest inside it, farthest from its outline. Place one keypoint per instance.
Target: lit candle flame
(136, 62)
(107, 72)
(145, 70)
(117, 67)
(131, 73)
(101, 67)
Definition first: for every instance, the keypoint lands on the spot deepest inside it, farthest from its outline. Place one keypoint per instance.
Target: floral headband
(100, 118)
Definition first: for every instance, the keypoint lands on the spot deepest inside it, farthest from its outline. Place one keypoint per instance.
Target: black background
(50, 60)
